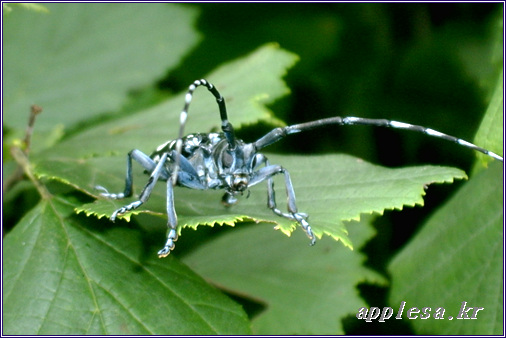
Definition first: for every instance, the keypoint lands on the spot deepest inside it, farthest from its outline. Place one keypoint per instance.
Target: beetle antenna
(279, 133)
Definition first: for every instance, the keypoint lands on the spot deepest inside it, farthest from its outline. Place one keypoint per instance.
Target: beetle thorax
(215, 164)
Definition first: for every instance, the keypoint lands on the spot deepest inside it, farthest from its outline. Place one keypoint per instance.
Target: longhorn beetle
(222, 161)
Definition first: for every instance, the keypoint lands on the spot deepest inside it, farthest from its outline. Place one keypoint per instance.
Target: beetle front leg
(292, 208)
(171, 223)
(146, 192)
(267, 173)
(144, 160)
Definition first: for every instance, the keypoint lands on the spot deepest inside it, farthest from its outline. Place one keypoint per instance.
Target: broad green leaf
(247, 84)
(67, 275)
(490, 134)
(340, 188)
(350, 186)
(306, 290)
(81, 60)
(457, 257)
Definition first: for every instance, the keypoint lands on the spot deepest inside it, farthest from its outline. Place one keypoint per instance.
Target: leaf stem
(20, 155)
(22, 159)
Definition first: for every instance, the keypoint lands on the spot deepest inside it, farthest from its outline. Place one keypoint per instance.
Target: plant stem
(20, 154)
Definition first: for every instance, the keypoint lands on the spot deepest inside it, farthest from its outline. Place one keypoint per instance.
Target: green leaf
(349, 185)
(64, 274)
(247, 84)
(457, 257)
(490, 134)
(340, 188)
(306, 290)
(152, 287)
(82, 59)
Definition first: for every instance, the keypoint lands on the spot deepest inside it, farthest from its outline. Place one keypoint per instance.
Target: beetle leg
(172, 222)
(146, 192)
(144, 160)
(266, 173)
